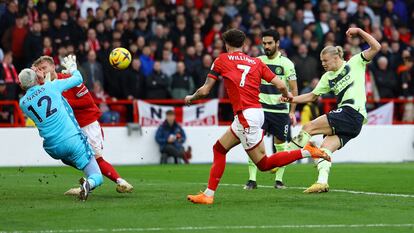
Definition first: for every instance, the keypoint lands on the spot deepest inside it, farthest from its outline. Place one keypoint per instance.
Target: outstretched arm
(201, 92)
(374, 45)
(308, 97)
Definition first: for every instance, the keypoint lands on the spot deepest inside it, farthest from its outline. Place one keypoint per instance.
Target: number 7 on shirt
(246, 70)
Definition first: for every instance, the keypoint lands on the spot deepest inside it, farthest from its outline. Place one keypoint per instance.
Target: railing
(18, 119)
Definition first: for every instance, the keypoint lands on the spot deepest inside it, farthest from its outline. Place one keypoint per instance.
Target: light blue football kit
(54, 118)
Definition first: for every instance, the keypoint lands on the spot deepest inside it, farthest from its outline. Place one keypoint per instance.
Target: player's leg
(280, 146)
(227, 141)
(279, 159)
(318, 126)
(94, 178)
(78, 153)
(346, 123)
(251, 183)
(329, 145)
(94, 134)
(281, 122)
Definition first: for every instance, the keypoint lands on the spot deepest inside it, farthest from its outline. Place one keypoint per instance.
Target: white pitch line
(189, 228)
(338, 191)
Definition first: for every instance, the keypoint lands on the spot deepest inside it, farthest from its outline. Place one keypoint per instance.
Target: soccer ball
(120, 58)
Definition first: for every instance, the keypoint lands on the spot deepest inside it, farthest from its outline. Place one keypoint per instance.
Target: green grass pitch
(32, 200)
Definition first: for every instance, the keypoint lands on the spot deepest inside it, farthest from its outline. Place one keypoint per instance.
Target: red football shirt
(242, 76)
(82, 103)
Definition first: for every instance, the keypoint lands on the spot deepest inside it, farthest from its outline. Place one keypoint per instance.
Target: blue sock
(93, 173)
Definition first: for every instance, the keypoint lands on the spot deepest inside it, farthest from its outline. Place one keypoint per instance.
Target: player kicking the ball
(346, 79)
(87, 115)
(242, 76)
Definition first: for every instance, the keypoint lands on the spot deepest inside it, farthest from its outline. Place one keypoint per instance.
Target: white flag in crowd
(382, 115)
(201, 114)
(151, 114)
(204, 114)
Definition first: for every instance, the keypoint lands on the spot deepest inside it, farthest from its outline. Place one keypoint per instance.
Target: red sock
(219, 164)
(279, 159)
(107, 169)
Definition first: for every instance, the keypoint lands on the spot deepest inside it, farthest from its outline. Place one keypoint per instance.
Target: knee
(218, 147)
(309, 128)
(261, 168)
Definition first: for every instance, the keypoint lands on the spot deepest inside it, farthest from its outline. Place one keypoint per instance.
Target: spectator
(171, 137)
(304, 60)
(92, 70)
(8, 74)
(191, 61)
(13, 39)
(182, 83)
(385, 79)
(147, 61)
(298, 25)
(5, 111)
(92, 42)
(100, 98)
(406, 81)
(88, 4)
(33, 45)
(157, 84)
(135, 81)
(8, 18)
(59, 33)
(47, 46)
(308, 16)
(168, 65)
(349, 5)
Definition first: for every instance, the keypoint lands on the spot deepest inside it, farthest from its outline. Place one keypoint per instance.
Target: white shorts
(247, 127)
(95, 136)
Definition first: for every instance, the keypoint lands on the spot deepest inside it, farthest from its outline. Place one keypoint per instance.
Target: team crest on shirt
(279, 70)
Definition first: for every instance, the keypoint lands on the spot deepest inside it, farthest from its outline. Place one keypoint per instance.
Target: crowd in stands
(174, 43)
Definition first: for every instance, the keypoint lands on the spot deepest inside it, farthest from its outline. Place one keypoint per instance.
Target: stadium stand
(189, 31)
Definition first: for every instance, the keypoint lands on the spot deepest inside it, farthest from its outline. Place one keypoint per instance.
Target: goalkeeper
(54, 118)
(346, 79)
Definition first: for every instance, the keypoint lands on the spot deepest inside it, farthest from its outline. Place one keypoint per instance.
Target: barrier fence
(129, 110)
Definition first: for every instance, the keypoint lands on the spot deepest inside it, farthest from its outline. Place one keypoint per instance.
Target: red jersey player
(242, 75)
(87, 114)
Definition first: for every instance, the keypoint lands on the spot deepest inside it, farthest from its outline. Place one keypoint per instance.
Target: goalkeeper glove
(69, 63)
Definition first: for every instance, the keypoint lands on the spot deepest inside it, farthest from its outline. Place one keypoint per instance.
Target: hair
(333, 50)
(273, 33)
(41, 59)
(170, 112)
(234, 38)
(27, 78)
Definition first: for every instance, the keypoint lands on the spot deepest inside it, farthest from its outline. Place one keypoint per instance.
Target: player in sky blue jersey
(54, 118)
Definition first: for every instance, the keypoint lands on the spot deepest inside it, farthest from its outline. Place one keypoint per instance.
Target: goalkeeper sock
(252, 170)
(107, 169)
(217, 169)
(299, 141)
(323, 168)
(279, 173)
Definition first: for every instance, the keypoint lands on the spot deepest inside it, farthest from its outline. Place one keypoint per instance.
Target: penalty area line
(201, 228)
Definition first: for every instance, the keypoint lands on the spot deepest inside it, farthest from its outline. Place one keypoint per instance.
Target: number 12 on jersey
(246, 70)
